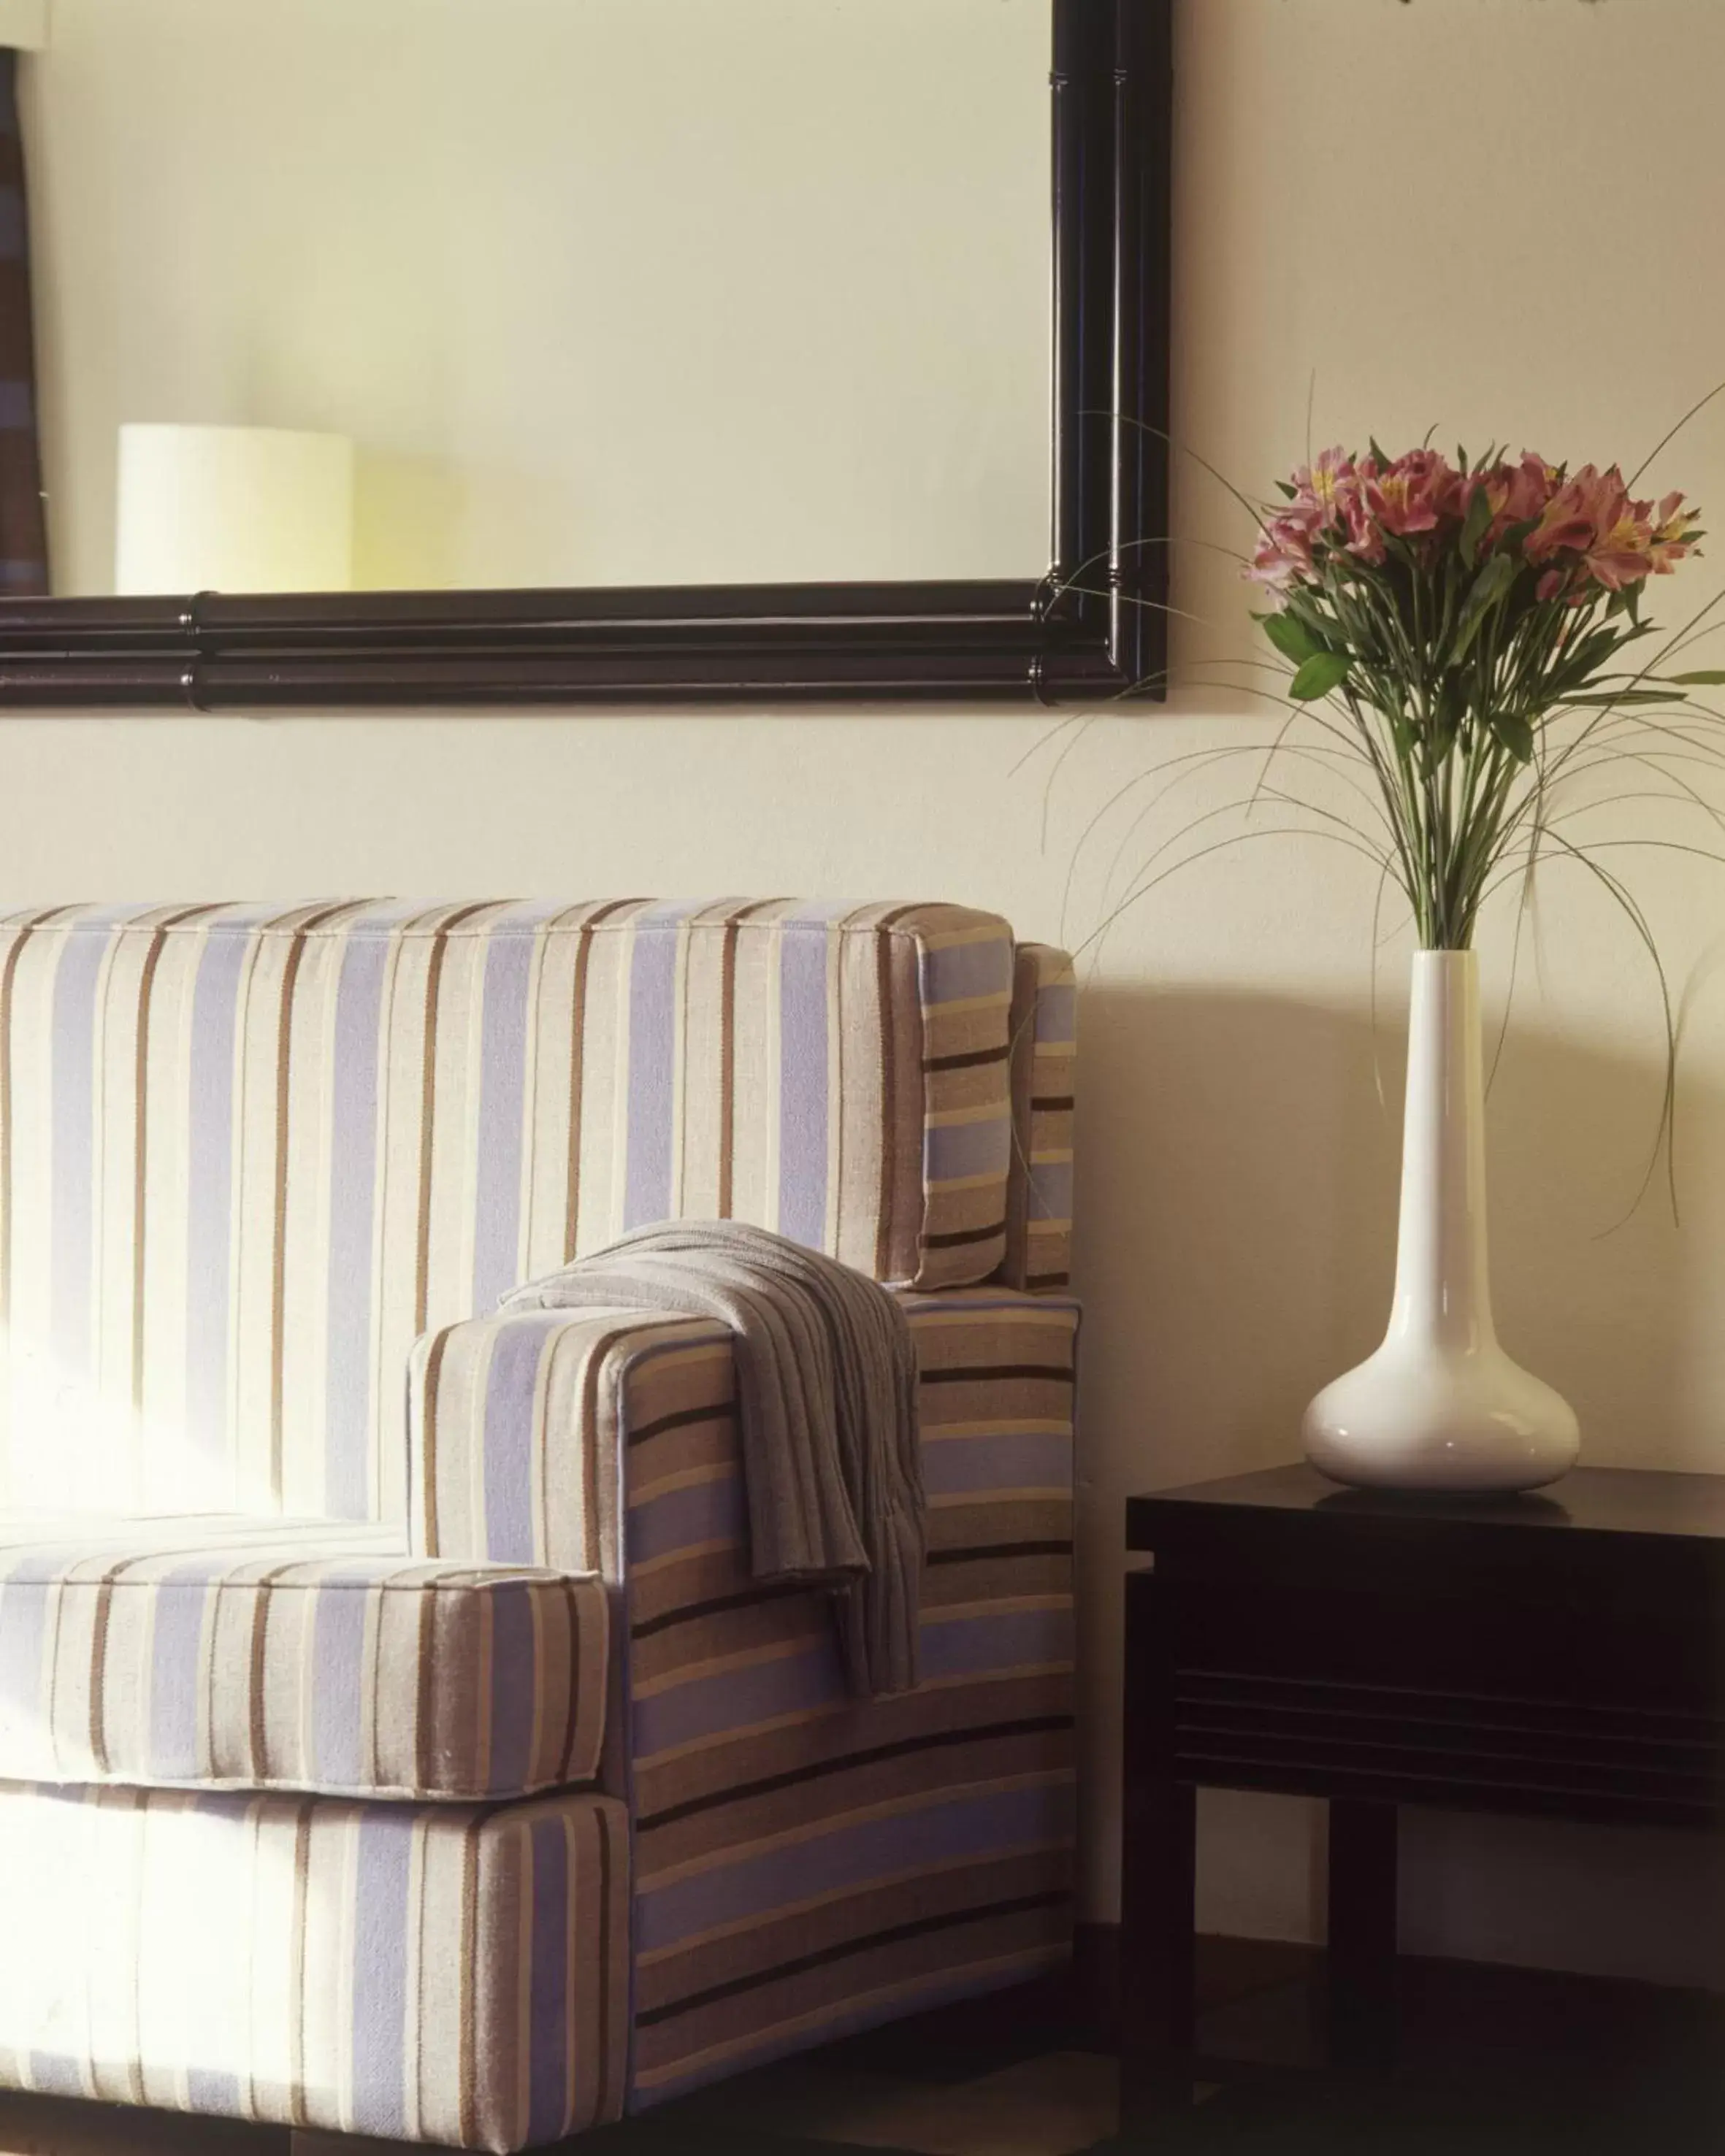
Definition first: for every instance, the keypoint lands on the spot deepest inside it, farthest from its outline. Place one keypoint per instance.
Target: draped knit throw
(826, 1383)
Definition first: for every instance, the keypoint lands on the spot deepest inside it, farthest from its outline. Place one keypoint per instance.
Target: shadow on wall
(1236, 1206)
(1237, 1240)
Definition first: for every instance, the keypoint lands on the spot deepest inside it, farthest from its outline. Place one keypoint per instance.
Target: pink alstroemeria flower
(1365, 537)
(1577, 512)
(1283, 555)
(1517, 492)
(1619, 550)
(1321, 489)
(1581, 532)
(1623, 555)
(1418, 491)
(1673, 536)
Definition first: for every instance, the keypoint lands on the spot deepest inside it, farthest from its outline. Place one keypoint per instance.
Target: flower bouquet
(1466, 628)
(1454, 611)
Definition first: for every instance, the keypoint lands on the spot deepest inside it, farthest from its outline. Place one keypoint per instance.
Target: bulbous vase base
(1415, 1416)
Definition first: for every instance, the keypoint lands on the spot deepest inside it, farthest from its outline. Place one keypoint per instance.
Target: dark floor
(1492, 2062)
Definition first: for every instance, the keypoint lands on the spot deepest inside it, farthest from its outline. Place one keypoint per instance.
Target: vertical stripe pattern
(251, 1154)
(285, 1960)
(258, 1162)
(293, 1656)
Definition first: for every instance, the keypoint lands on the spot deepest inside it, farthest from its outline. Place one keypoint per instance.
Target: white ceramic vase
(1440, 1406)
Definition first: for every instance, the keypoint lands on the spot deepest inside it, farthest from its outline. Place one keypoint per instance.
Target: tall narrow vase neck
(1443, 1290)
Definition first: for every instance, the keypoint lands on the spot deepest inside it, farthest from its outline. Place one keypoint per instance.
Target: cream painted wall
(1498, 214)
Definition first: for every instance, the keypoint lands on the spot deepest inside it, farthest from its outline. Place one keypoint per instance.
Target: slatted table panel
(1560, 1654)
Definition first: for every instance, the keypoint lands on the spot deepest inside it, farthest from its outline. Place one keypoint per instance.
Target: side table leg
(1362, 1933)
(1159, 1864)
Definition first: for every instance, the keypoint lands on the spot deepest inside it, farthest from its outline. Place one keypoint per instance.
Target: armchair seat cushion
(230, 1653)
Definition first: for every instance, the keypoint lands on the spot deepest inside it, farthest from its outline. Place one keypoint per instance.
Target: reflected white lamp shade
(234, 508)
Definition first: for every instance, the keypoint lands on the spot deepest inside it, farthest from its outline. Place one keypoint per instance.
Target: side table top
(1612, 1500)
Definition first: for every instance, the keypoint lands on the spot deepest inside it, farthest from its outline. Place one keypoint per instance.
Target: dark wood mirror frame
(1093, 628)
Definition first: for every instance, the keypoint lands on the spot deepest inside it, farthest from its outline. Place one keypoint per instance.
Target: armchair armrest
(519, 1426)
(580, 1436)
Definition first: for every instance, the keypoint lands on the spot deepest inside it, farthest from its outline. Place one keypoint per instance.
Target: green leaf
(1302, 607)
(1516, 734)
(1493, 581)
(1588, 656)
(1291, 637)
(1709, 677)
(1322, 672)
(1473, 525)
(1288, 493)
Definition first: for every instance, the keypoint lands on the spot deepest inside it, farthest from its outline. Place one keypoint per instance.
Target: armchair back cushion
(1044, 1037)
(248, 1154)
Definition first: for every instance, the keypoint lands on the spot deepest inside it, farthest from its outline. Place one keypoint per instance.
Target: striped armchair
(435, 1769)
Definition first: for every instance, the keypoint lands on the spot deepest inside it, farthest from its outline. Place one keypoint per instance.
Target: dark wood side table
(1560, 1654)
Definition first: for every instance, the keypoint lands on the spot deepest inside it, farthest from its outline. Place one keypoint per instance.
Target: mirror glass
(541, 292)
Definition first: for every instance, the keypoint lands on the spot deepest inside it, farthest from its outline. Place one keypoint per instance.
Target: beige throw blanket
(826, 1377)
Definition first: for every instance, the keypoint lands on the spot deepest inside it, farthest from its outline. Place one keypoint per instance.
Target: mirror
(599, 292)
(492, 352)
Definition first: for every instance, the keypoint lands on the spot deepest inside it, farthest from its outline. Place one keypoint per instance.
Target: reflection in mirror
(598, 291)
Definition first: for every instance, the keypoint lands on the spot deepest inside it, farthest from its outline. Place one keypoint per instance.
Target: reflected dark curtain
(23, 531)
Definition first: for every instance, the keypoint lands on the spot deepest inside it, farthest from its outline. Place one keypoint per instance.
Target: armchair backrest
(1044, 1051)
(248, 1153)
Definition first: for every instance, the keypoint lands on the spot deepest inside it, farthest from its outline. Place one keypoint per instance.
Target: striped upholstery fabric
(1044, 1045)
(513, 1430)
(805, 1863)
(247, 1155)
(278, 1655)
(442, 1973)
(293, 1692)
